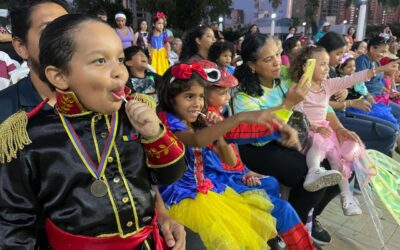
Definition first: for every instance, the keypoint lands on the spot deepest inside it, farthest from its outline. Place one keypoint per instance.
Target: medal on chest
(99, 187)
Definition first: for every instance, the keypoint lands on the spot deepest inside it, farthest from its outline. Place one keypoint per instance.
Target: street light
(344, 26)
(273, 16)
(304, 27)
(220, 20)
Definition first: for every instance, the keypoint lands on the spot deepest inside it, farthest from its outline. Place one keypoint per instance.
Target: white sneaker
(318, 178)
(350, 205)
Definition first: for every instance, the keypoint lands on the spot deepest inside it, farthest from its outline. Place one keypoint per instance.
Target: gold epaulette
(145, 99)
(13, 136)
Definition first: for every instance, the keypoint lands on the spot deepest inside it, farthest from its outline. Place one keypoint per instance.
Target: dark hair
(101, 12)
(20, 15)
(57, 44)
(344, 64)
(292, 27)
(348, 30)
(355, 45)
(139, 23)
(251, 26)
(218, 48)
(376, 42)
(131, 51)
(289, 44)
(168, 90)
(189, 45)
(249, 82)
(296, 68)
(332, 41)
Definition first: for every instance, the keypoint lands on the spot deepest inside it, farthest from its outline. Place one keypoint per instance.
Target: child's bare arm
(225, 152)
(205, 136)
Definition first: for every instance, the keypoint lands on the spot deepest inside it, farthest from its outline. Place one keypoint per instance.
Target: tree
(311, 11)
(184, 14)
(92, 6)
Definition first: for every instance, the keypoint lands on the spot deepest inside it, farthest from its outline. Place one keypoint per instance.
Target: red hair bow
(185, 71)
(159, 15)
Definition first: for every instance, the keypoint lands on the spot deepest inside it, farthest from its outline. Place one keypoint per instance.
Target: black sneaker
(277, 244)
(319, 234)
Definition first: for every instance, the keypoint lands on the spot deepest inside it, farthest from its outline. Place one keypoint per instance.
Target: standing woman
(260, 88)
(140, 37)
(351, 34)
(196, 44)
(124, 32)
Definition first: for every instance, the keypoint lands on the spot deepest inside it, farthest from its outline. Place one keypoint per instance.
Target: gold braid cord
(13, 136)
(145, 99)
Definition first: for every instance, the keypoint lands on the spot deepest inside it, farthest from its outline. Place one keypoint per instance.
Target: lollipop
(125, 95)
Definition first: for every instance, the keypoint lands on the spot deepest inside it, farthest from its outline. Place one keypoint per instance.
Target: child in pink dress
(322, 138)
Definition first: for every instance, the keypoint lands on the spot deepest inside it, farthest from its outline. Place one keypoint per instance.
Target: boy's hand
(143, 119)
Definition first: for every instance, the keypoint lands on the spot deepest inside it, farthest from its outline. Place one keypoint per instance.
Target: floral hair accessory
(185, 71)
(159, 15)
(344, 59)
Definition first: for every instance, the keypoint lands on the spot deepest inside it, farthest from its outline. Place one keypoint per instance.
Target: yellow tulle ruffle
(228, 221)
(159, 60)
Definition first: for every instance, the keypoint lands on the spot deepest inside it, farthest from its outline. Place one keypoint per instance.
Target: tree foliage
(311, 11)
(183, 14)
(92, 6)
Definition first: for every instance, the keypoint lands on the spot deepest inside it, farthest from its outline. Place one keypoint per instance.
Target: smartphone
(309, 70)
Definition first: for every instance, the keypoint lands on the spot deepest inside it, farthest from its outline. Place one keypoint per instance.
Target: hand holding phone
(309, 69)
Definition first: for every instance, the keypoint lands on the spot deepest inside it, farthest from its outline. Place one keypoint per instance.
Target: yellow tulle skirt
(159, 60)
(228, 221)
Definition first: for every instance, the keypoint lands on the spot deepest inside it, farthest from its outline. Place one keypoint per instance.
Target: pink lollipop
(120, 94)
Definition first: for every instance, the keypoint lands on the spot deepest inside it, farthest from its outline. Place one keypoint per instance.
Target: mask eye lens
(213, 75)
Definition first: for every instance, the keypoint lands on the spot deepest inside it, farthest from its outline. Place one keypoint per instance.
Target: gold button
(103, 134)
(116, 180)
(110, 159)
(129, 224)
(125, 200)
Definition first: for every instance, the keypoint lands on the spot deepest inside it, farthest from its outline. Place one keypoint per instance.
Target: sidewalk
(357, 232)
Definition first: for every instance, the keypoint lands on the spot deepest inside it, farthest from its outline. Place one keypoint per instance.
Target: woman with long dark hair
(196, 44)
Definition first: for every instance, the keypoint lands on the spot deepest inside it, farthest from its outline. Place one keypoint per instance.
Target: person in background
(351, 34)
(386, 33)
(124, 32)
(7, 67)
(176, 51)
(196, 44)
(102, 15)
(325, 29)
(292, 32)
(158, 44)
(141, 80)
(291, 47)
(359, 48)
(28, 20)
(170, 35)
(221, 53)
(217, 33)
(141, 36)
